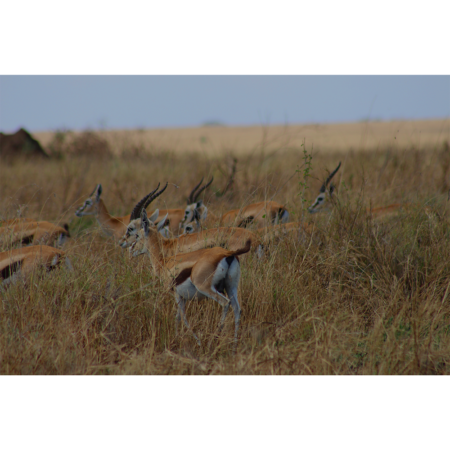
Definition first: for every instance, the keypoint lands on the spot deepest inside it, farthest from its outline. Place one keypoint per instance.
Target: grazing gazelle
(26, 231)
(207, 273)
(262, 213)
(232, 238)
(325, 201)
(24, 260)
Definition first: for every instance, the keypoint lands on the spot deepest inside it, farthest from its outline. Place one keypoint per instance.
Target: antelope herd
(194, 251)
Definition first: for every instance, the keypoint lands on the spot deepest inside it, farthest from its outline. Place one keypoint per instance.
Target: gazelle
(196, 210)
(232, 238)
(112, 226)
(325, 198)
(26, 231)
(24, 260)
(135, 218)
(179, 214)
(207, 273)
(261, 213)
(276, 230)
(325, 201)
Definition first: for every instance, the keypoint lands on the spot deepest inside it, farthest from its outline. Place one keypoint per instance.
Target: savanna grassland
(357, 296)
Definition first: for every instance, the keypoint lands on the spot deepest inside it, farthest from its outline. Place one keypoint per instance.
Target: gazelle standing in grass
(134, 224)
(230, 237)
(112, 226)
(207, 273)
(261, 213)
(325, 201)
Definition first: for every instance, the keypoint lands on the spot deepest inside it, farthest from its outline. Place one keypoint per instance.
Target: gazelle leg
(220, 299)
(232, 293)
(181, 302)
(224, 315)
(260, 251)
(231, 286)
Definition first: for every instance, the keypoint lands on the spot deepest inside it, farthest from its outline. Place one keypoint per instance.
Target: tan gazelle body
(24, 260)
(230, 237)
(261, 214)
(206, 273)
(325, 201)
(26, 231)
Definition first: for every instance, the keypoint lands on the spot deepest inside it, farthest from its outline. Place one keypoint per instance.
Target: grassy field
(358, 296)
(219, 140)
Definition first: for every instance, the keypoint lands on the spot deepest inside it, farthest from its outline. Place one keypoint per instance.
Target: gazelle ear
(145, 224)
(154, 216)
(199, 203)
(161, 223)
(332, 188)
(98, 192)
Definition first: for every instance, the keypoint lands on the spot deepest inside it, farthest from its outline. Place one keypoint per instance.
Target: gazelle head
(195, 209)
(90, 204)
(323, 201)
(141, 241)
(134, 225)
(190, 228)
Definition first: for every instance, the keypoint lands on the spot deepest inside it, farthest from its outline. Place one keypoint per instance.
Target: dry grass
(357, 297)
(219, 140)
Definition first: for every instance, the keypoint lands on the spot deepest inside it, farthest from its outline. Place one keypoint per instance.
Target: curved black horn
(155, 195)
(191, 195)
(332, 174)
(136, 213)
(197, 195)
(95, 189)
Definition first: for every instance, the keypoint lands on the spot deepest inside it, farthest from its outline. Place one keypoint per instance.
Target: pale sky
(40, 103)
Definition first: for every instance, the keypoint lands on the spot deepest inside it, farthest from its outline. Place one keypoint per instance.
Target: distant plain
(216, 140)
